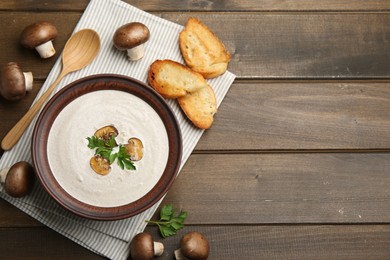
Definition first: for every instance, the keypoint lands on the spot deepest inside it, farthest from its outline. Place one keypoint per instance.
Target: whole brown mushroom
(131, 37)
(193, 246)
(40, 35)
(142, 247)
(19, 179)
(14, 82)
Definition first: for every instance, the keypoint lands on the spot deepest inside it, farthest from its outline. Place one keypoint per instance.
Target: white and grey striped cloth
(109, 238)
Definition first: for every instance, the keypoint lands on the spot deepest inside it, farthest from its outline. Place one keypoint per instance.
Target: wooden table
(297, 163)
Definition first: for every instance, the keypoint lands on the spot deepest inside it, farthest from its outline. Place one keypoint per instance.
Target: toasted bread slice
(172, 79)
(202, 50)
(200, 106)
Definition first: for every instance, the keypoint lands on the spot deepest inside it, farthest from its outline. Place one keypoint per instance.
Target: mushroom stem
(28, 79)
(3, 174)
(46, 50)
(179, 255)
(136, 53)
(158, 248)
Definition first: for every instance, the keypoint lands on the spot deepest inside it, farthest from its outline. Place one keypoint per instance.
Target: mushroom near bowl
(19, 179)
(193, 246)
(40, 35)
(143, 247)
(14, 82)
(131, 38)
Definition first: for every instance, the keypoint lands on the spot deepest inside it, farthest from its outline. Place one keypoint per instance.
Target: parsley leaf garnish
(124, 159)
(94, 142)
(101, 145)
(105, 149)
(169, 221)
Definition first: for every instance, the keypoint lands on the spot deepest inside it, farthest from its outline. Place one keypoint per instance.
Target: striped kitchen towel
(109, 238)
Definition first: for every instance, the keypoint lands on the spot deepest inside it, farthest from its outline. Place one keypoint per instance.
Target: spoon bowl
(80, 50)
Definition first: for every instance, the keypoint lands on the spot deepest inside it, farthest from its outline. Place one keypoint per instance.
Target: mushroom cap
(194, 245)
(100, 165)
(37, 33)
(130, 35)
(13, 85)
(106, 132)
(134, 148)
(142, 247)
(20, 179)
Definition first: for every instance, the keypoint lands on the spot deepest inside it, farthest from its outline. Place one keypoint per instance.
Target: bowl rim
(90, 84)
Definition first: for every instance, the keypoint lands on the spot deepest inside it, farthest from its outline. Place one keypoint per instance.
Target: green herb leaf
(169, 221)
(177, 225)
(183, 215)
(111, 142)
(166, 212)
(124, 159)
(104, 152)
(104, 149)
(120, 163)
(167, 231)
(112, 158)
(128, 164)
(94, 142)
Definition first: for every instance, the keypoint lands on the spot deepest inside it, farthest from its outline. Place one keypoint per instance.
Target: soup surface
(69, 155)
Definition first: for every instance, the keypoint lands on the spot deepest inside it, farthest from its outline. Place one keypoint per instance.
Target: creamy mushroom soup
(69, 155)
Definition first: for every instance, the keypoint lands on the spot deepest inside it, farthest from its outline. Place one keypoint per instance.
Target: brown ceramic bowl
(75, 92)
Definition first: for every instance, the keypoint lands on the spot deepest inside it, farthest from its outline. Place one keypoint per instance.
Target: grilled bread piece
(172, 79)
(200, 106)
(202, 50)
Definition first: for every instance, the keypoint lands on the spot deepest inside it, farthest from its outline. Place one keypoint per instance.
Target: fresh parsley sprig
(100, 144)
(105, 149)
(170, 221)
(123, 159)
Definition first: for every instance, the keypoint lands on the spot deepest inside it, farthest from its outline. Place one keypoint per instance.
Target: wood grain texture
(271, 46)
(208, 5)
(40, 243)
(284, 188)
(300, 116)
(12, 217)
(226, 242)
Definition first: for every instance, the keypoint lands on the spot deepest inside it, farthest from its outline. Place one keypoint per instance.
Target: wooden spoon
(78, 52)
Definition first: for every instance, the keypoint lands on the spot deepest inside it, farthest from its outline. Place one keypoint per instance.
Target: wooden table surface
(297, 163)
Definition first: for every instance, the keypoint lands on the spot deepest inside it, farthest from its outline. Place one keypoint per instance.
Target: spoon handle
(17, 131)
